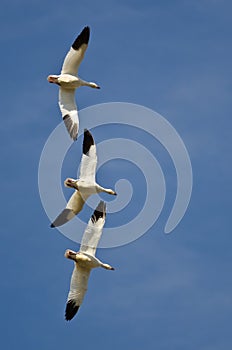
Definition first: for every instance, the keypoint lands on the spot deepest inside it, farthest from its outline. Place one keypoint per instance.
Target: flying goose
(85, 261)
(85, 186)
(69, 81)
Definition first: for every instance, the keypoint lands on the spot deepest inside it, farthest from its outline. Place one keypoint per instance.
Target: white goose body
(85, 186)
(69, 81)
(85, 261)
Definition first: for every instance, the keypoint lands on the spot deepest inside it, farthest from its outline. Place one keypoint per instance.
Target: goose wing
(76, 53)
(94, 229)
(73, 207)
(89, 158)
(69, 112)
(78, 288)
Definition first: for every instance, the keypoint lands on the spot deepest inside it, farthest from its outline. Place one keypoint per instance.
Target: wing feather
(89, 158)
(94, 229)
(69, 112)
(65, 216)
(76, 53)
(78, 288)
(73, 207)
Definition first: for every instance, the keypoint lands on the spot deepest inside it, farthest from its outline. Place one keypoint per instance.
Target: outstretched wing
(94, 229)
(78, 288)
(76, 53)
(73, 207)
(89, 158)
(69, 112)
(65, 216)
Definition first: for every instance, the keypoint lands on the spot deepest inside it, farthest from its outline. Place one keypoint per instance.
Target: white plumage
(85, 260)
(69, 82)
(85, 186)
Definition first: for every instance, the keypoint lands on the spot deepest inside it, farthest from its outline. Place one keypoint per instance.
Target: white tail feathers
(107, 267)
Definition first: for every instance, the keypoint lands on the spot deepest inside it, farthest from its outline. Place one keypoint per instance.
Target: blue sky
(168, 291)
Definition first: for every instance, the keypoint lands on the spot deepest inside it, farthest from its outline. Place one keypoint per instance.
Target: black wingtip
(99, 212)
(88, 141)
(71, 310)
(83, 38)
(65, 216)
(52, 225)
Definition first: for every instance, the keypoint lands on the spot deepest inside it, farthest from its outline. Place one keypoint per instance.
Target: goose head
(70, 254)
(78, 257)
(53, 79)
(71, 183)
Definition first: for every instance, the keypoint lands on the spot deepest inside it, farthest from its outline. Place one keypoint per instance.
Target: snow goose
(85, 261)
(85, 186)
(69, 81)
